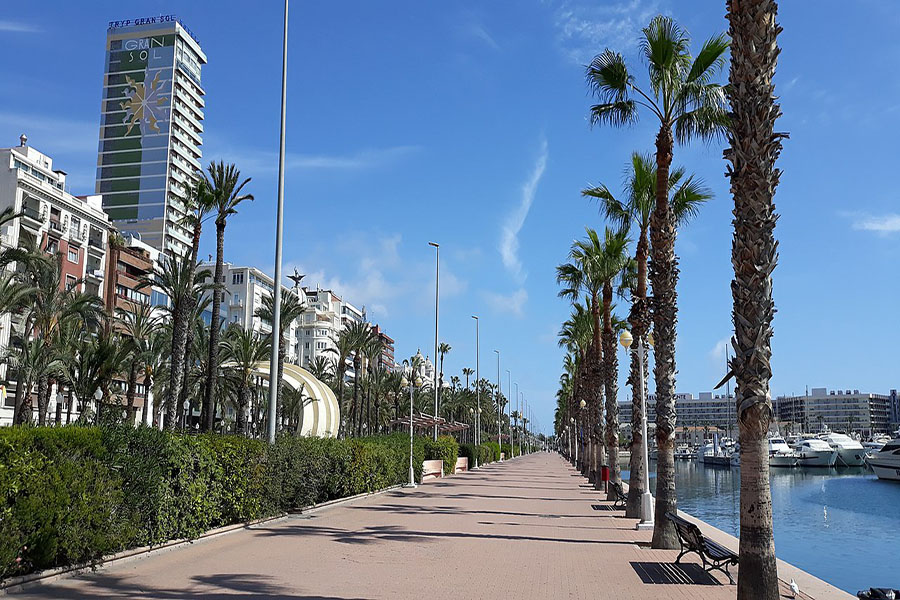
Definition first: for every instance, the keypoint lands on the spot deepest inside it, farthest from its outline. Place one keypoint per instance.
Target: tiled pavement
(522, 529)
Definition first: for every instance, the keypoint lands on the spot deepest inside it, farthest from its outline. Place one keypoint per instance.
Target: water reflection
(838, 524)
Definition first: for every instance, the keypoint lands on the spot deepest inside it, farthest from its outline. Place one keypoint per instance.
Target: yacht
(877, 442)
(683, 452)
(850, 452)
(780, 454)
(886, 462)
(714, 455)
(813, 452)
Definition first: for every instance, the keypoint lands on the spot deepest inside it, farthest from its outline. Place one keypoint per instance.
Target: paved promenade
(523, 529)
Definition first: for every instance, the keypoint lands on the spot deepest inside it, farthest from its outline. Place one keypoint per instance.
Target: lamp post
(472, 416)
(646, 521)
(279, 227)
(437, 272)
(509, 415)
(499, 408)
(417, 383)
(477, 391)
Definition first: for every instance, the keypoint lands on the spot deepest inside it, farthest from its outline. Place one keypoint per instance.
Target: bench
(619, 497)
(714, 556)
(432, 469)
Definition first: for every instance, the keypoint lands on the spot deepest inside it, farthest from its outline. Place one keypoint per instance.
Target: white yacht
(850, 452)
(886, 462)
(813, 452)
(877, 442)
(713, 454)
(780, 454)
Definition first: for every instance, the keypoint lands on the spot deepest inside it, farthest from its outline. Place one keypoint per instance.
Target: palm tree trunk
(176, 371)
(664, 277)
(69, 406)
(148, 383)
(17, 401)
(356, 407)
(639, 319)
(611, 370)
(282, 354)
(754, 148)
(212, 365)
(240, 420)
(43, 397)
(129, 394)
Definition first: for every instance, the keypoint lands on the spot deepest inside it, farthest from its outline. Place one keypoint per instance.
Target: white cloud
(881, 224)
(717, 354)
(513, 303)
(586, 29)
(17, 27)
(479, 32)
(509, 235)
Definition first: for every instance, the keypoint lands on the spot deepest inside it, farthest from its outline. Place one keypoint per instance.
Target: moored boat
(850, 453)
(886, 462)
(780, 454)
(813, 452)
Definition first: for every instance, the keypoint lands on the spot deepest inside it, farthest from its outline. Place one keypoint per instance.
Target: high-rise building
(150, 128)
(839, 410)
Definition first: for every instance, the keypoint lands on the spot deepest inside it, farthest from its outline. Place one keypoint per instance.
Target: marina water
(840, 525)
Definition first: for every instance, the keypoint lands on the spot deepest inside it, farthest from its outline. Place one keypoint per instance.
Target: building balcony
(33, 214)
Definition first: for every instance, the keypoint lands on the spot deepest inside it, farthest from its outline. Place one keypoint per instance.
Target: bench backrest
(687, 531)
(617, 488)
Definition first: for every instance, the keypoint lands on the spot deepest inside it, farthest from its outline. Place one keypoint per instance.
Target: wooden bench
(714, 555)
(619, 498)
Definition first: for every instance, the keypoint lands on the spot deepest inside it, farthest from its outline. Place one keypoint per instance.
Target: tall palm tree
(688, 104)
(468, 372)
(226, 193)
(292, 308)
(577, 336)
(322, 368)
(242, 350)
(583, 274)
(754, 148)
(140, 325)
(371, 351)
(632, 210)
(344, 347)
(181, 282)
(360, 334)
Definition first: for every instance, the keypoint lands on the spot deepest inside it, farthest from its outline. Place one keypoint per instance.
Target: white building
(841, 410)
(52, 220)
(707, 410)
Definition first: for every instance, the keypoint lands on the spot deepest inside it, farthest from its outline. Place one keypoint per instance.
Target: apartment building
(840, 410)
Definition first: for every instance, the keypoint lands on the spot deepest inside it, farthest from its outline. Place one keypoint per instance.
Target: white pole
(437, 385)
(499, 407)
(412, 473)
(279, 226)
(646, 521)
(477, 392)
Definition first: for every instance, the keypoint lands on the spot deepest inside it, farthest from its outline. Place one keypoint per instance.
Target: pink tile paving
(521, 529)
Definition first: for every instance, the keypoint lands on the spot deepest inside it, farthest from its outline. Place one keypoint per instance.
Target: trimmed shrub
(446, 449)
(492, 451)
(73, 494)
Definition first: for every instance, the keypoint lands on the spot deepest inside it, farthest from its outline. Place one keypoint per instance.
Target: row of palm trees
(684, 98)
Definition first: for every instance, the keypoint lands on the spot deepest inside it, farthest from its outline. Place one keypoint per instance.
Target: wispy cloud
(882, 224)
(18, 27)
(261, 161)
(478, 31)
(509, 235)
(584, 29)
(513, 303)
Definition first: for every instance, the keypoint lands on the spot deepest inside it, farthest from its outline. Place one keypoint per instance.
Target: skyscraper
(150, 128)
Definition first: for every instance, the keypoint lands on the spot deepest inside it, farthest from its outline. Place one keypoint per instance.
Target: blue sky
(465, 123)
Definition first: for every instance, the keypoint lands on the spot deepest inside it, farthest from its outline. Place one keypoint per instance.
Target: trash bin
(604, 476)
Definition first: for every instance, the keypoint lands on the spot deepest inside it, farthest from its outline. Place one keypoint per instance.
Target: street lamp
(472, 416)
(404, 382)
(477, 391)
(646, 521)
(509, 415)
(499, 408)
(279, 227)
(437, 272)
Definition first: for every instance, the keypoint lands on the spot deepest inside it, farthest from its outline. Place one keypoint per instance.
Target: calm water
(841, 525)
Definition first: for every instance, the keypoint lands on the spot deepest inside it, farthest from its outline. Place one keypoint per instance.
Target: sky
(465, 124)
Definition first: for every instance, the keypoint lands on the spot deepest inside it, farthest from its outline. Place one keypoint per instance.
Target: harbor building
(707, 410)
(838, 410)
(150, 128)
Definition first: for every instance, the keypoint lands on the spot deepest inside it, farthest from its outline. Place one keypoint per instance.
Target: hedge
(70, 495)
(445, 448)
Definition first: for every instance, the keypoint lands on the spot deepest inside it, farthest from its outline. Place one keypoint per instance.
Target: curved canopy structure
(321, 412)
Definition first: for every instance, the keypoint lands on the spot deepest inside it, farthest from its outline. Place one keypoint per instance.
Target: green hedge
(446, 449)
(73, 494)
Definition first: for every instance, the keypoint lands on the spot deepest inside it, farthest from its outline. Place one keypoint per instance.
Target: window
(320, 345)
(70, 281)
(237, 298)
(73, 255)
(52, 247)
(307, 345)
(237, 278)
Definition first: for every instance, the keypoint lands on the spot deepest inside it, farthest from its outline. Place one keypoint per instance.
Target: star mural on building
(142, 108)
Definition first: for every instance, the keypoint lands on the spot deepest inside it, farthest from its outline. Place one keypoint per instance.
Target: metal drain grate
(602, 507)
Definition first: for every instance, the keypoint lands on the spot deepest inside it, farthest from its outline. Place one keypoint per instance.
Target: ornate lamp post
(646, 521)
(404, 382)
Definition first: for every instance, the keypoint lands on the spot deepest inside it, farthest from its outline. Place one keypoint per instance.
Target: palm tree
(468, 372)
(754, 148)
(359, 333)
(140, 325)
(344, 347)
(687, 195)
(225, 190)
(577, 336)
(292, 308)
(688, 105)
(242, 350)
(180, 281)
(322, 369)
(584, 274)
(371, 350)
